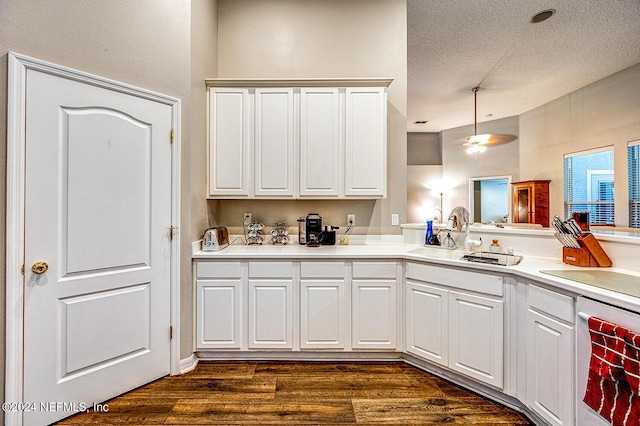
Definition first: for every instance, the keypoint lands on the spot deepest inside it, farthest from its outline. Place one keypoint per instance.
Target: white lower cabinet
(322, 305)
(476, 337)
(373, 315)
(550, 355)
(426, 319)
(218, 310)
(270, 314)
(374, 304)
(270, 305)
(220, 292)
(461, 331)
(322, 314)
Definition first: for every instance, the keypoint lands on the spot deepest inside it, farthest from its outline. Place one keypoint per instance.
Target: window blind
(633, 159)
(589, 185)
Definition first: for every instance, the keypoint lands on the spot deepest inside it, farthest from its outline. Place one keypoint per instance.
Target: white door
(476, 337)
(218, 314)
(366, 142)
(229, 129)
(320, 143)
(271, 314)
(97, 212)
(549, 363)
(426, 319)
(373, 319)
(274, 148)
(322, 314)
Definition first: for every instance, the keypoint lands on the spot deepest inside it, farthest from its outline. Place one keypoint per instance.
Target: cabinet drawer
(472, 281)
(374, 270)
(559, 305)
(210, 269)
(270, 269)
(322, 269)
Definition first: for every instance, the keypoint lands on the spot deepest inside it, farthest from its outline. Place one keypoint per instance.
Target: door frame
(15, 245)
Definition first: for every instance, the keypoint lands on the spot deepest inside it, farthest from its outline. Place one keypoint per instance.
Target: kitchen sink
(490, 258)
(438, 252)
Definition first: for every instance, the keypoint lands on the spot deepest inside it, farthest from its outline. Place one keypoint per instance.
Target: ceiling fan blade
(489, 139)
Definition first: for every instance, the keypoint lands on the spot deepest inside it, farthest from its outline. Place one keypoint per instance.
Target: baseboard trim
(188, 364)
(298, 356)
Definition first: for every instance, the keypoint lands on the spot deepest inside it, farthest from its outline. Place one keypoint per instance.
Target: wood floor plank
(363, 386)
(230, 389)
(325, 369)
(434, 410)
(194, 411)
(124, 410)
(222, 370)
(324, 393)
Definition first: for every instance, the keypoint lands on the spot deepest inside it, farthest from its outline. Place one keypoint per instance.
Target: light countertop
(529, 268)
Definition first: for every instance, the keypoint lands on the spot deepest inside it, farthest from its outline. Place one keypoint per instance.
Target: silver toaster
(215, 238)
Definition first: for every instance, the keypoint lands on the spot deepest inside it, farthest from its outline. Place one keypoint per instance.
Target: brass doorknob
(39, 268)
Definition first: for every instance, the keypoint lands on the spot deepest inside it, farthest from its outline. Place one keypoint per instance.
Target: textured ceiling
(454, 45)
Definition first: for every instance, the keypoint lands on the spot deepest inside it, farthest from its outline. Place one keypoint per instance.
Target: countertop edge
(529, 268)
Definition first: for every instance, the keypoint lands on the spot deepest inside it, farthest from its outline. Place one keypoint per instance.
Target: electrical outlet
(246, 218)
(351, 219)
(395, 220)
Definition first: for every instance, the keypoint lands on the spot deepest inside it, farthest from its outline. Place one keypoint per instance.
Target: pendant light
(478, 143)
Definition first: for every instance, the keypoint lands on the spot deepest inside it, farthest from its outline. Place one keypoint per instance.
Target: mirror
(490, 200)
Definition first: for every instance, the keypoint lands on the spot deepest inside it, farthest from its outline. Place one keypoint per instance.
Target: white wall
(145, 43)
(458, 166)
(330, 38)
(606, 112)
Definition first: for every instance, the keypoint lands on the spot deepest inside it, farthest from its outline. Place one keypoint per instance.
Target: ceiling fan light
(484, 138)
(476, 148)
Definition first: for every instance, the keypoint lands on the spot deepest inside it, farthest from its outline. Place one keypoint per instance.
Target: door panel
(97, 211)
(114, 167)
(270, 314)
(88, 321)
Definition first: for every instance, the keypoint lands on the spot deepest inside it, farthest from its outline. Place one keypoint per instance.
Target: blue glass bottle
(427, 238)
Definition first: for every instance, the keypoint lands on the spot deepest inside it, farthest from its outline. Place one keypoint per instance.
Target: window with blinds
(589, 184)
(633, 159)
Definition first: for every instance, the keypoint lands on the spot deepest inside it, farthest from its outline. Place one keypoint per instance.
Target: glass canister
(302, 230)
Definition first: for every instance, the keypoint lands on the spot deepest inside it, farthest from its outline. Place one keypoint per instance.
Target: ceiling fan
(478, 143)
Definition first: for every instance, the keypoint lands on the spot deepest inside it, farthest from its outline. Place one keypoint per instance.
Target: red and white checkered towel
(614, 373)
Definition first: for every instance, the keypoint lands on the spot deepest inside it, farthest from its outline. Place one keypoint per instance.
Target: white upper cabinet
(366, 142)
(274, 143)
(294, 139)
(229, 129)
(320, 144)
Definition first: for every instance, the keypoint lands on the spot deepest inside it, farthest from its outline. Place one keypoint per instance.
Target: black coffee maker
(313, 229)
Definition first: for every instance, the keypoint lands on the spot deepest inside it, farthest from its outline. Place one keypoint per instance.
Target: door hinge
(172, 232)
(172, 135)
(170, 332)
(22, 270)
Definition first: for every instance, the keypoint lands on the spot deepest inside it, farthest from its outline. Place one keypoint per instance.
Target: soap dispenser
(449, 242)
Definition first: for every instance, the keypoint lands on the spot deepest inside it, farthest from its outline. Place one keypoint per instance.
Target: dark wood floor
(320, 393)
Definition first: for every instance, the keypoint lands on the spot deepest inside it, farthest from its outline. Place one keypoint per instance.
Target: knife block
(590, 253)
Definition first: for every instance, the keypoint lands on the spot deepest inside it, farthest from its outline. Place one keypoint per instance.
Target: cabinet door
(229, 129)
(320, 143)
(270, 314)
(549, 369)
(274, 149)
(366, 142)
(426, 318)
(218, 314)
(373, 318)
(322, 314)
(476, 327)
